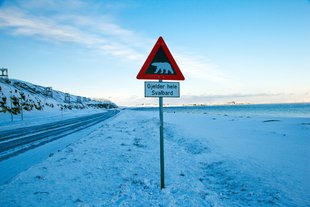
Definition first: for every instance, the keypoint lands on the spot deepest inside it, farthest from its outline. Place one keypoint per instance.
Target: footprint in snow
(307, 124)
(137, 143)
(78, 201)
(39, 177)
(61, 159)
(195, 148)
(41, 192)
(271, 120)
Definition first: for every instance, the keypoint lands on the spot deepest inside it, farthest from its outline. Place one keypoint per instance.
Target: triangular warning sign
(160, 65)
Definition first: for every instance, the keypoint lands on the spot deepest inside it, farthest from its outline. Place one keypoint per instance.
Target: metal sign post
(161, 134)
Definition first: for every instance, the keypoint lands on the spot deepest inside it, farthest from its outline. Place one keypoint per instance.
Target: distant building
(67, 98)
(4, 73)
(86, 99)
(79, 99)
(49, 91)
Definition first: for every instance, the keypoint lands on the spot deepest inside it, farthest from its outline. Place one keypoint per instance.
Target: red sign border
(142, 73)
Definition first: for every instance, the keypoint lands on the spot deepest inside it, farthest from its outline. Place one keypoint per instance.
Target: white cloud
(79, 22)
(89, 31)
(199, 67)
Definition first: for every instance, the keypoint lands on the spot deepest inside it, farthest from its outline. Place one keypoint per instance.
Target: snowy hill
(17, 95)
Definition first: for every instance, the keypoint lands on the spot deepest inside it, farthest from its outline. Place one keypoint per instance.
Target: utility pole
(21, 109)
(11, 107)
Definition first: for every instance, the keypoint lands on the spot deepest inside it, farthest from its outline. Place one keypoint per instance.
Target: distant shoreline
(300, 110)
(224, 104)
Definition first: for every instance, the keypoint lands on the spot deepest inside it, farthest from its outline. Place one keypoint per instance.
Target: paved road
(16, 141)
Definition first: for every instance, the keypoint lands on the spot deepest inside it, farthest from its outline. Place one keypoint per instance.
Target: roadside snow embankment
(20, 100)
(210, 161)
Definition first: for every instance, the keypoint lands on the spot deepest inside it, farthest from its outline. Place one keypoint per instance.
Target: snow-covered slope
(16, 95)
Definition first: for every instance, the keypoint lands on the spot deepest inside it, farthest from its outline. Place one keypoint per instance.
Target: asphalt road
(16, 141)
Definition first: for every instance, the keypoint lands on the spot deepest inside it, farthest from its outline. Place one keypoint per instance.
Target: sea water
(297, 110)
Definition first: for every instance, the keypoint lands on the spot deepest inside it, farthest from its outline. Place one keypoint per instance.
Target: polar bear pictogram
(163, 67)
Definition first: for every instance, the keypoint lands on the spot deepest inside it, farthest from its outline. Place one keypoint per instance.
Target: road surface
(16, 141)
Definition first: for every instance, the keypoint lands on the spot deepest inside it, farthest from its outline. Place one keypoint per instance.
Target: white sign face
(161, 89)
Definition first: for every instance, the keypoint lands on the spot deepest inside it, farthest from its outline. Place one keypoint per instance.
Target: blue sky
(254, 51)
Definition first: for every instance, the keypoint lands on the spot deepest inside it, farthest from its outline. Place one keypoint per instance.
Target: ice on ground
(210, 161)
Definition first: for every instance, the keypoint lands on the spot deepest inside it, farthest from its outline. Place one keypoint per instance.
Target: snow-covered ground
(211, 160)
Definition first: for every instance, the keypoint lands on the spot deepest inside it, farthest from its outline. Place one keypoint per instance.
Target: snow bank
(22, 100)
(210, 161)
